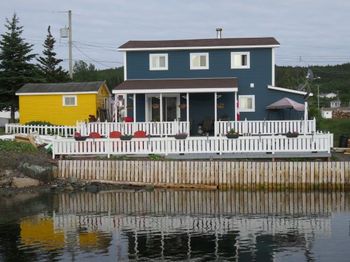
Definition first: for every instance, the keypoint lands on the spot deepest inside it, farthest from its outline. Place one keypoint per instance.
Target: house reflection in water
(186, 224)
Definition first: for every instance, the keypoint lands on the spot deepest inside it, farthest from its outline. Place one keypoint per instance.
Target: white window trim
(64, 100)
(241, 53)
(199, 67)
(158, 68)
(253, 103)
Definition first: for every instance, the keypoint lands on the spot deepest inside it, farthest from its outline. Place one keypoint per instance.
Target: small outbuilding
(64, 103)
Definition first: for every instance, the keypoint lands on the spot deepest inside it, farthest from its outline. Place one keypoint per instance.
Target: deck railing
(195, 145)
(129, 128)
(168, 128)
(266, 127)
(65, 131)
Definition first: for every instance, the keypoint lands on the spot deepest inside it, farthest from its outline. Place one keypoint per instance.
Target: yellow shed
(63, 103)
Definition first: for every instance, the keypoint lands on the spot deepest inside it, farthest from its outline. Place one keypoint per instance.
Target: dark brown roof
(60, 87)
(259, 41)
(177, 84)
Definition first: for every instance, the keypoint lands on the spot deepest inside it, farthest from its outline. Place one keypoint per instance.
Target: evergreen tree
(49, 64)
(15, 66)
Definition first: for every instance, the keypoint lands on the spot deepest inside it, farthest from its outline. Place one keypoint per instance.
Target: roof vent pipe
(218, 33)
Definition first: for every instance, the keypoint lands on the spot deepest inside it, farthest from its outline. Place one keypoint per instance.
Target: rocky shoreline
(34, 173)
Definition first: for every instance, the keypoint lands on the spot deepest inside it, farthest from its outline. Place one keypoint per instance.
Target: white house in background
(5, 117)
(328, 95)
(327, 113)
(335, 103)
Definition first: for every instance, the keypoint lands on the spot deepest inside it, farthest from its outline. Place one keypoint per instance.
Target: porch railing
(65, 131)
(266, 127)
(195, 145)
(151, 128)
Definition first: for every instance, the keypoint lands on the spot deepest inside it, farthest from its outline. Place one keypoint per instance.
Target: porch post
(215, 112)
(305, 116)
(188, 112)
(187, 107)
(161, 107)
(236, 115)
(134, 107)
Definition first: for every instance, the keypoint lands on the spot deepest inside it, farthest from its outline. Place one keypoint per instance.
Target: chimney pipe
(218, 33)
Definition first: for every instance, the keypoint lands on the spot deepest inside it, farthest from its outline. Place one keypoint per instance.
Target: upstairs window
(240, 60)
(247, 103)
(158, 62)
(199, 61)
(69, 100)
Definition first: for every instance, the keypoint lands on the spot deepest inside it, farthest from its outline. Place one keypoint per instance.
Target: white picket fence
(266, 127)
(65, 131)
(194, 145)
(151, 128)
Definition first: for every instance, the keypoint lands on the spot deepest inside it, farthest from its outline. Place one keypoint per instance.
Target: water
(176, 225)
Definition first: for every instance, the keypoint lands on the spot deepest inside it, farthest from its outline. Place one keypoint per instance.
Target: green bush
(336, 126)
(18, 147)
(38, 123)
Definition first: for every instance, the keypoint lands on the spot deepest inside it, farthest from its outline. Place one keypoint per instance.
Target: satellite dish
(310, 74)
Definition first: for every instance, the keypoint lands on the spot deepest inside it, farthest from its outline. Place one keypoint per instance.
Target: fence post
(166, 145)
(53, 149)
(108, 147)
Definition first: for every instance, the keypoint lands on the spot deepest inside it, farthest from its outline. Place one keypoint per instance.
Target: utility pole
(70, 44)
(318, 97)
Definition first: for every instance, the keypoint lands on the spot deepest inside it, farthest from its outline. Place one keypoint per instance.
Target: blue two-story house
(202, 81)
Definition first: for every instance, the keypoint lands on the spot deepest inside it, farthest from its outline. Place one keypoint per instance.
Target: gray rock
(21, 182)
(44, 173)
(69, 188)
(72, 180)
(5, 182)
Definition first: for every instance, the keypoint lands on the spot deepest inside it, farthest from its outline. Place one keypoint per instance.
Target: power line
(92, 59)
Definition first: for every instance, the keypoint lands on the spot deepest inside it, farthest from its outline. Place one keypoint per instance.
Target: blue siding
(260, 73)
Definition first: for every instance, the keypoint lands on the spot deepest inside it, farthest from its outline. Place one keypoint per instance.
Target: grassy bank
(13, 153)
(336, 126)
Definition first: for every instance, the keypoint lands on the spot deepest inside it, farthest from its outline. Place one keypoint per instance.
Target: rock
(21, 182)
(43, 173)
(5, 182)
(92, 188)
(69, 188)
(72, 180)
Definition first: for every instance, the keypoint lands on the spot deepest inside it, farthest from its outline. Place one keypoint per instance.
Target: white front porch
(171, 128)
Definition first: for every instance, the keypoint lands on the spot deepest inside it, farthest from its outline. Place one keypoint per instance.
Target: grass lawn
(336, 126)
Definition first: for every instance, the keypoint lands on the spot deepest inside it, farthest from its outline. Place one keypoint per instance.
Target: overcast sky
(310, 32)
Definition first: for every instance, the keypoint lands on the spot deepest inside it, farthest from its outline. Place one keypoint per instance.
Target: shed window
(199, 61)
(158, 62)
(240, 60)
(69, 100)
(247, 103)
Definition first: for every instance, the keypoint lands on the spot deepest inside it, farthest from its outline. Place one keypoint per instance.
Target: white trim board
(125, 67)
(177, 90)
(56, 93)
(196, 48)
(288, 90)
